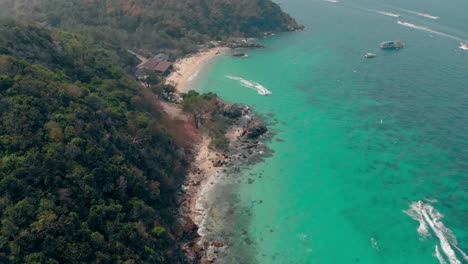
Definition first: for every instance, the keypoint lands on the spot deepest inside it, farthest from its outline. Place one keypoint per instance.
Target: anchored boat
(370, 55)
(392, 44)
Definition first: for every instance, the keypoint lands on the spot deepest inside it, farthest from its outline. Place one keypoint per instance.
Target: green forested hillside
(87, 172)
(175, 26)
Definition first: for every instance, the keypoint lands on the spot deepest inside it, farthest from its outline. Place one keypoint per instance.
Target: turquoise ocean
(357, 141)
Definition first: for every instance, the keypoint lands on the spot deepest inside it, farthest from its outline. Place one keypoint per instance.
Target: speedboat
(464, 45)
(392, 44)
(404, 23)
(421, 204)
(239, 54)
(370, 55)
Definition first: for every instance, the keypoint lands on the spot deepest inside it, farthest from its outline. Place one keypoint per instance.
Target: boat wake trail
(406, 24)
(428, 216)
(251, 84)
(439, 256)
(419, 13)
(384, 13)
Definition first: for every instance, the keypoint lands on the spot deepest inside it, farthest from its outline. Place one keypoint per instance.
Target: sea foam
(428, 216)
(439, 256)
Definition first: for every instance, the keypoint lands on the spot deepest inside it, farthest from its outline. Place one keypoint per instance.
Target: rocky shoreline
(209, 167)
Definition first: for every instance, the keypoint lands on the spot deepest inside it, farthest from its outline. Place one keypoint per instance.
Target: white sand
(188, 68)
(204, 162)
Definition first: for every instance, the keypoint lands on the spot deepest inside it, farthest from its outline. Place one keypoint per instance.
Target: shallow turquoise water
(358, 141)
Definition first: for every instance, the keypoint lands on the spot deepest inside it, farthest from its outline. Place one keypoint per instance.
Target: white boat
(464, 45)
(370, 55)
(421, 204)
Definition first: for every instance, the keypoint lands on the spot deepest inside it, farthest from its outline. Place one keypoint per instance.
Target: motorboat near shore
(464, 45)
(241, 55)
(396, 44)
(370, 55)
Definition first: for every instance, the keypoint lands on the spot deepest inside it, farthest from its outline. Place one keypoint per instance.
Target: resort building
(159, 63)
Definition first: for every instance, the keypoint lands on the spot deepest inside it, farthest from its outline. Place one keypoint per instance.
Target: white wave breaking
(262, 90)
(422, 28)
(428, 216)
(419, 13)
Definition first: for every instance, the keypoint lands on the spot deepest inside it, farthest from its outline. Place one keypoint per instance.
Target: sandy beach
(198, 185)
(202, 174)
(189, 67)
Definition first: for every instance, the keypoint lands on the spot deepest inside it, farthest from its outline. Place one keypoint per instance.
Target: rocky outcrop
(232, 110)
(217, 244)
(189, 228)
(245, 148)
(255, 129)
(244, 43)
(218, 163)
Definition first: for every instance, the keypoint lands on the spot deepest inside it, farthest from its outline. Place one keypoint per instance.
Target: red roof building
(157, 65)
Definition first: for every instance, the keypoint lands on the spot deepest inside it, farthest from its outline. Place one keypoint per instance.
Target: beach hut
(161, 66)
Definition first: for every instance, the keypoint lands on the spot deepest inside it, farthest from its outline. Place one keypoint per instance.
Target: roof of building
(163, 66)
(156, 65)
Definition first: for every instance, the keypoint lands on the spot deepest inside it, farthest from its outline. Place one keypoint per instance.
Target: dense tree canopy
(175, 26)
(86, 170)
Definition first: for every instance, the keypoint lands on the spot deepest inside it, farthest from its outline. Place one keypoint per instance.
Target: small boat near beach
(370, 55)
(464, 45)
(396, 44)
(421, 204)
(241, 55)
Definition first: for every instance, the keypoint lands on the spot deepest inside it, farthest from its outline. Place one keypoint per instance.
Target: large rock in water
(232, 110)
(255, 129)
